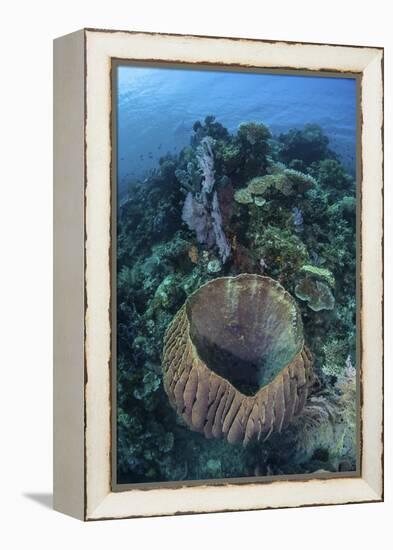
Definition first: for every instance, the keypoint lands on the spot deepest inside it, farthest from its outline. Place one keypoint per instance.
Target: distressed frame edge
(372, 485)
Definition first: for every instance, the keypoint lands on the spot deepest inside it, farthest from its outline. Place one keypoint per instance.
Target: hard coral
(335, 352)
(254, 143)
(317, 294)
(243, 196)
(308, 145)
(300, 182)
(319, 273)
(259, 185)
(252, 133)
(287, 182)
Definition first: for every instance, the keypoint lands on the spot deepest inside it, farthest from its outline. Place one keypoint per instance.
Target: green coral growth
(243, 196)
(259, 201)
(282, 250)
(317, 294)
(305, 146)
(287, 208)
(331, 174)
(299, 182)
(286, 182)
(319, 273)
(335, 356)
(259, 185)
(254, 134)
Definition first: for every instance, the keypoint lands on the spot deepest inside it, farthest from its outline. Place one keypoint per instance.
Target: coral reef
(297, 219)
(283, 181)
(319, 273)
(234, 360)
(248, 202)
(314, 287)
(305, 146)
(317, 295)
(327, 427)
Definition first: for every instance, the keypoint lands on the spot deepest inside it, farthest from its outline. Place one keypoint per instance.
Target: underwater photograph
(235, 274)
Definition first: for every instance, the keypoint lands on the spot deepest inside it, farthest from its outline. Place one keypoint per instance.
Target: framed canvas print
(218, 274)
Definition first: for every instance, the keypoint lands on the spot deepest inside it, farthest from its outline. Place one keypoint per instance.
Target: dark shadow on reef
(245, 203)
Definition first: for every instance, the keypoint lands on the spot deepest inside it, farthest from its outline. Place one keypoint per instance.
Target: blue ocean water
(157, 108)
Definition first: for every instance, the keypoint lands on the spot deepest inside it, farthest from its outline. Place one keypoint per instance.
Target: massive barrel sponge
(234, 360)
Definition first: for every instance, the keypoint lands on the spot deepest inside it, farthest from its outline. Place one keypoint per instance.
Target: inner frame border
(113, 123)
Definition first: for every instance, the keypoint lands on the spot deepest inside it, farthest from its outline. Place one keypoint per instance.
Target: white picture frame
(82, 257)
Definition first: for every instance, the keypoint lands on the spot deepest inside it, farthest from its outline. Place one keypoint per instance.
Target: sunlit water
(157, 108)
